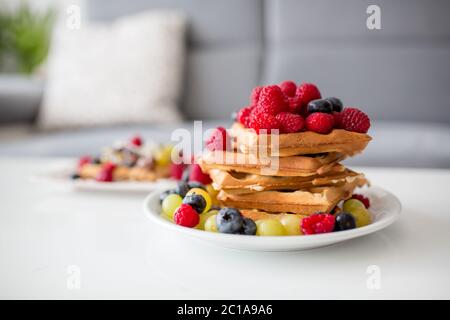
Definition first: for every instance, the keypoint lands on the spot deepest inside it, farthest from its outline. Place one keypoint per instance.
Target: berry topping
(357, 209)
(319, 105)
(204, 194)
(263, 121)
(182, 188)
(106, 173)
(254, 97)
(355, 120)
(109, 166)
(294, 104)
(271, 100)
(196, 201)
(336, 103)
(363, 199)
(318, 223)
(186, 216)
(344, 221)
(248, 227)
(320, 122)
(290, 122)
(229, 220)
(83, 161)
(136, 141)
(306, 93)
(243, 116)
(219, 140)
(196, 174)
(337, 119)
(176, 170)
(288, 88)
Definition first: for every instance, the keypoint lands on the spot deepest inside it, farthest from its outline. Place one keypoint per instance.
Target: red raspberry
(243, 115)
(288, 88)
(263, 121)
(109, 166)
(176, 170)
(294, 104)
(353, 119)
(320, 122)
(307, 92)
(106, 173)
(318, 223)
(337, 119)
(290, 122)
(271, 100)
(219, 140)
(84, 160)
(196, 174)
(363, 199)
(186, 216)
(136, 141)
(254, 97)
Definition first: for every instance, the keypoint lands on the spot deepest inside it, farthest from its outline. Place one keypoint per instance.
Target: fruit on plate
(186, 216)
(170, 203)
(229, 220)
(204, 194)
(270, 227)
(318, 223)
(210, 224)
(291, 224)
(205, 216)
(344, 221)
(196, 201)
(248, 227)
(357, 209)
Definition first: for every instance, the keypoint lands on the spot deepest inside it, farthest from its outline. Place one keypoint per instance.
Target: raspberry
(109, 166)
(84, 160)
(186, 216)
(355, 120)
(288, 88)
(290, 122)
(176, 170)
(271, 100)
(307, 92)
(196, 174)
(320, 122)
(337, 119)
(219, 140)
(136, 141)
(254, 97)
(318, 223)
(106, 172)
(363, 199)
(294, 104)
(243, 115)
(263, 121)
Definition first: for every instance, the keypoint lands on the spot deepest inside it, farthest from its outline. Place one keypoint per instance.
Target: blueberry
(186, 173)
(320, 105)
(75, 176)
(344, 221)
(163, 195)
(229, 220)
(336, 104)
(196, 184)
(182, 188)
(248, 227)
(196, 201)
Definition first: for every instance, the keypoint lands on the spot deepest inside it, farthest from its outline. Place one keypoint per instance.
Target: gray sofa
(400, 74)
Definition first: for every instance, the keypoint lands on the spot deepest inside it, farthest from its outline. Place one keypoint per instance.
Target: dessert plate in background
(385, 209)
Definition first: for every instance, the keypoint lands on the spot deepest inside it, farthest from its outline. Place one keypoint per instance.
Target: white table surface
(45, 229)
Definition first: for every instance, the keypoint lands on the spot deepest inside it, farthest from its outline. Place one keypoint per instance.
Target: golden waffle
(320, 199)
(239, 183)
(308, 142)
(122, 173)
(295, 166)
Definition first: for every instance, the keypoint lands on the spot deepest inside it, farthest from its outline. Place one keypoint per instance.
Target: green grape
(270, 227)
(351, 204)
(291, 223)
(170, 204)
(210, 224)
(163, 155)
(204, 194)
(362, 216)
(204, 217)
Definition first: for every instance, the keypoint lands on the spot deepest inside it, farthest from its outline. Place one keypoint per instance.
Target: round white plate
(62, 175)
(385, 209)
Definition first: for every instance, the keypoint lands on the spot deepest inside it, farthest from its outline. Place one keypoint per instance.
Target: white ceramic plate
(385, 209)
(62, 176)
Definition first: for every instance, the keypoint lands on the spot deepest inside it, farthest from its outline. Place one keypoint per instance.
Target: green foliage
(25, 35)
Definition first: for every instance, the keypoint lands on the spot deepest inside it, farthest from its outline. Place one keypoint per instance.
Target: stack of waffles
(267, 176)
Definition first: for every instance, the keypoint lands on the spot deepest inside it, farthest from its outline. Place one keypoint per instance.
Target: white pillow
(126, 72)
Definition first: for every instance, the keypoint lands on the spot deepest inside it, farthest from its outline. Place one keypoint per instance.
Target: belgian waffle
(240, 183)
(308, 201)
(122, 173)
(308, 142)
(295, 166)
